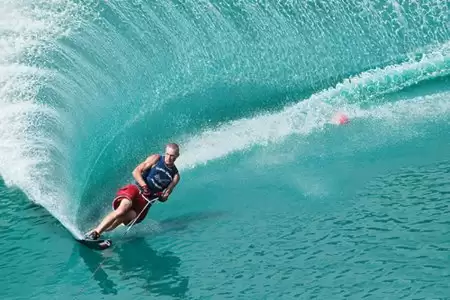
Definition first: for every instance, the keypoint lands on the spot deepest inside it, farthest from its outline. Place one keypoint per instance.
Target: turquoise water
(275, 201)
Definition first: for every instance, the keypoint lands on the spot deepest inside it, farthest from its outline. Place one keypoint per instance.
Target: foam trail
(32, 152)
(407, 111)
(315, 112)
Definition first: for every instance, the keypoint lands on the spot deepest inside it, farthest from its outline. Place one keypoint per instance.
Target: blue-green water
(275, 201)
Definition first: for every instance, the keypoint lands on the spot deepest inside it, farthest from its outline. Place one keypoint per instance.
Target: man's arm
(170, 187)
(144, 166)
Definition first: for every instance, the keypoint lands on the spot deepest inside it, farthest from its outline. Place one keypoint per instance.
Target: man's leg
(126, 219)
(120, 212)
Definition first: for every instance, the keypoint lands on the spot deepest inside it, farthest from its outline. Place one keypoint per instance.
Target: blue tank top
(160, 176)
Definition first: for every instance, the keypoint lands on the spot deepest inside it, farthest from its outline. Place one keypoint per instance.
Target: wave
(82, 82)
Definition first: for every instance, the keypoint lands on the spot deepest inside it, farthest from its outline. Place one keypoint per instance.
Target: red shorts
(132, 193)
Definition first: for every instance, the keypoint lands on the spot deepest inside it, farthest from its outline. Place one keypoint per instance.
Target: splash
(74, 76)
(32, 152)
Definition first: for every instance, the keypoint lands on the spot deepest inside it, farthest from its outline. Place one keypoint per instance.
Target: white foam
(28, 128)
(407, 111)
(317, 111)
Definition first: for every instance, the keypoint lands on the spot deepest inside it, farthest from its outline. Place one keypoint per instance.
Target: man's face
(171, 156)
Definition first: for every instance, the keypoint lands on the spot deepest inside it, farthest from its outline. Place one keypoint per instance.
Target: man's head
(172, 153)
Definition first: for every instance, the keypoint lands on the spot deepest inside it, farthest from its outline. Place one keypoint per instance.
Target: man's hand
(165, 195)
(146, 191)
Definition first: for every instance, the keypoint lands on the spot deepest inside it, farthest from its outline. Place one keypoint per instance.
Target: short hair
(174, 146)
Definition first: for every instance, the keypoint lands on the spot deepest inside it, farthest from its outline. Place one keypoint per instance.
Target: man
(156, 177)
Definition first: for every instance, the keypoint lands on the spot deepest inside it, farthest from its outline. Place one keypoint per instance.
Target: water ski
(100, 244)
